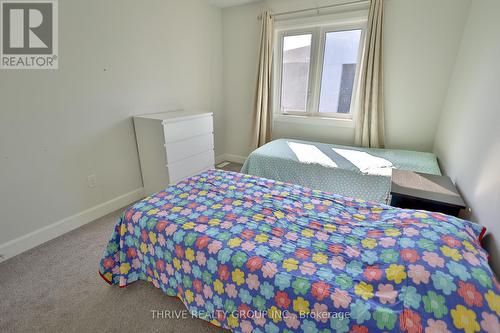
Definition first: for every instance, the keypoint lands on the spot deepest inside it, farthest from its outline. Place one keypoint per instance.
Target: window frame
(318, 29)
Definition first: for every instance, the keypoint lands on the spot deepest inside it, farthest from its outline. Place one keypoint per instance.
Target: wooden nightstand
(416, 190)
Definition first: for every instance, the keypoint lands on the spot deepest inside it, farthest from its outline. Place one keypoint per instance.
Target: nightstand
(416, 190)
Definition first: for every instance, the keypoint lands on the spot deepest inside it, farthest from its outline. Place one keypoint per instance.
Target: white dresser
(172, 146)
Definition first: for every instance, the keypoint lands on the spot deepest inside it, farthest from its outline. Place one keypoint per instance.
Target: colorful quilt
(363, 173)
(256, 255)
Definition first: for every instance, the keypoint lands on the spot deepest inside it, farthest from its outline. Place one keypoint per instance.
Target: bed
(257, 255)
(354, 172)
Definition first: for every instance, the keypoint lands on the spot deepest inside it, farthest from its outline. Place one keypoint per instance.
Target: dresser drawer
(183, 129)
(190, 166)
(180, 150)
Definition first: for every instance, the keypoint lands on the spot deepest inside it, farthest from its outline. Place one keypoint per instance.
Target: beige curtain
(370, 129)
(262, 108)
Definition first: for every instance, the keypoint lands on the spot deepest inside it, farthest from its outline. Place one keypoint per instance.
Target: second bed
(349, 171)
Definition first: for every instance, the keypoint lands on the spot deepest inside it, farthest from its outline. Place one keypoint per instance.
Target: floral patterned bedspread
(256, 255)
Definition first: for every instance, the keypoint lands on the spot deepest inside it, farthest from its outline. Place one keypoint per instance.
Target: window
(339, 70)
(295, 77)
(317, 70)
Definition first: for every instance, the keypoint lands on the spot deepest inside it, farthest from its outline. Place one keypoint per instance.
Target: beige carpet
(56, 288)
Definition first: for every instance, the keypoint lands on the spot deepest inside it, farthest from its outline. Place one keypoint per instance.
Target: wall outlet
(91, 181)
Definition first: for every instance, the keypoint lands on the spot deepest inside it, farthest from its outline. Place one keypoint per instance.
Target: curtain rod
(318, 8)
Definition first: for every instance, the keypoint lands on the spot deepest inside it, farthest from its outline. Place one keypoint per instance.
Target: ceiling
(229, 3)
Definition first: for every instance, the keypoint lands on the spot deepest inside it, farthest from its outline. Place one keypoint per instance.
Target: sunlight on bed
(366, 163)
(311, 154)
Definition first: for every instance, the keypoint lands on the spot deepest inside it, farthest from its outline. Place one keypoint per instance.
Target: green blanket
(350, 171)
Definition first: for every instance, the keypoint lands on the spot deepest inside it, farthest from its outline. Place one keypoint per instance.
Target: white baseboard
(220, 158)
(230, 158)
(42, 235)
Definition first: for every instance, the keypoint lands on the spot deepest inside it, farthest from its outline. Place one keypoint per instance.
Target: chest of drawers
(172, 146)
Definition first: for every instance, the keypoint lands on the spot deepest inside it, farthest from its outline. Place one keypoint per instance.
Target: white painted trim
(231, 158)
(311, 120)
(235, 158)
(220, 158)
(42, 235)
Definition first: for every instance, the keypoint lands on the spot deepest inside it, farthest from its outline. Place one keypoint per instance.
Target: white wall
(117, 59)
(421, 41)
(241, 34)
(468, 137)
